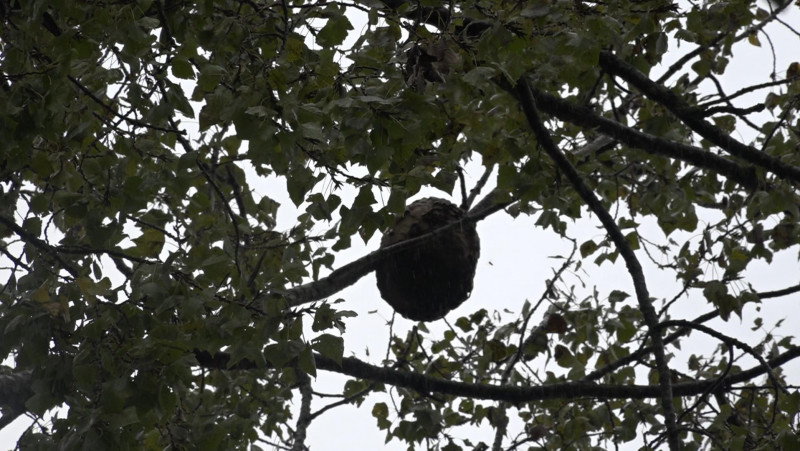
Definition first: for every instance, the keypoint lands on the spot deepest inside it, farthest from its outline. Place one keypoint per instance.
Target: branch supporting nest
(424, 283)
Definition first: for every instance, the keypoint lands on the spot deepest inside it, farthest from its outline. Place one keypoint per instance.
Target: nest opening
(428, 281)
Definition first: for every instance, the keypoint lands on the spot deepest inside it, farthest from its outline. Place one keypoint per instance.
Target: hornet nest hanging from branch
(425, 282)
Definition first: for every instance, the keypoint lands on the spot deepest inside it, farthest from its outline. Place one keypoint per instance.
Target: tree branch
(16, 388)
(611, 367)
(779, 293)
(731, 342)
(676, 66)
(38, 243)
(515, 395)
(350, 273)
(634, 268)
(304, 417)
(689, 116)
(473, 193)
(698, 157)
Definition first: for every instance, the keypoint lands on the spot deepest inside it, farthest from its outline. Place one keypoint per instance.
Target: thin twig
(733, 342)
(503, 427)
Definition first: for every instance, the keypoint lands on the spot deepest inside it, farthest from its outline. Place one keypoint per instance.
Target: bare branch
(779, 293)
(676, 66)
(611, 367)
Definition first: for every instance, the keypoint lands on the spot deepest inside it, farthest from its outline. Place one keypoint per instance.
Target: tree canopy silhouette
(149, 296)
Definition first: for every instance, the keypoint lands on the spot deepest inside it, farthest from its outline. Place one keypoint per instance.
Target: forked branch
(691, 117)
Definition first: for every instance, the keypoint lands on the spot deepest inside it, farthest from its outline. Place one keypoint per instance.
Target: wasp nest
(425, 282)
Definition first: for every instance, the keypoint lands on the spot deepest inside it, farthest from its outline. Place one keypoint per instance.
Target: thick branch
(41, 245)
(779, 293)
(696, 156)
(304, 417)
(631, 262)
(421, 383)
(691, 117)
(16, 388)
(350, 273)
